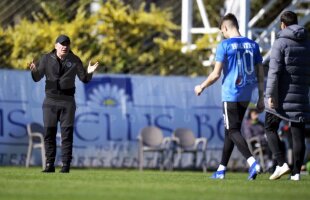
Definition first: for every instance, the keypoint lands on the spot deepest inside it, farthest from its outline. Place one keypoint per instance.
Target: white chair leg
(29, 152)
(155, 159)
(161, 165)
(262, 161)
(179, 159)
(43, 156)
(140, 158)
(204, 164)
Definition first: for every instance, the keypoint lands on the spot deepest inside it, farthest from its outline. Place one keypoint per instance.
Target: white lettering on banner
(111, 110)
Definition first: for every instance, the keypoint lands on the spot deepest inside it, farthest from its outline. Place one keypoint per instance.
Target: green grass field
(105, 184)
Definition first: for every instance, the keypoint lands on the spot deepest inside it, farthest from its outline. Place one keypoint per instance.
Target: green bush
(122, 39)
(5, 49)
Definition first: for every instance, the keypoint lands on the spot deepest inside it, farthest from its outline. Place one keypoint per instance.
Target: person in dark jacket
(287, 92)
(60, 68)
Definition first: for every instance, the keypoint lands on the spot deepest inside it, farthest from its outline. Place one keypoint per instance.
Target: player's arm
(212, 78)
(260, 77)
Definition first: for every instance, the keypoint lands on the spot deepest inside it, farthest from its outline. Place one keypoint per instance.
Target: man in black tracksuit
(60, 68)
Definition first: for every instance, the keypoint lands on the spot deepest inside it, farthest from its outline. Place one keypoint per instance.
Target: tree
(122, 39)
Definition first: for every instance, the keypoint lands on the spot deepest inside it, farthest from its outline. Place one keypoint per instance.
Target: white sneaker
(296, 177)
(280, 171)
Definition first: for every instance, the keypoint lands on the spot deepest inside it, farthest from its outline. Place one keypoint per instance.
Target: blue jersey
(239, 56)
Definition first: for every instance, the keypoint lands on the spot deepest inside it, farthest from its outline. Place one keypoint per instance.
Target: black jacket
(289, 75)
(60, 75)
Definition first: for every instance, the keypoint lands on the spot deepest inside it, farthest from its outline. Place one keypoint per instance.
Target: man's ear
(225, 27)
(283, 26)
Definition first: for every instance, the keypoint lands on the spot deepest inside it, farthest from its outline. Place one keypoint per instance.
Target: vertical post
(187, 9)
(203, 14)
(244, 16)
(250, 34)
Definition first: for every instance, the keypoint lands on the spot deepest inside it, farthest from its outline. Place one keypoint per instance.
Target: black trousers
(54, 111)
(233, 115)
(272, 123)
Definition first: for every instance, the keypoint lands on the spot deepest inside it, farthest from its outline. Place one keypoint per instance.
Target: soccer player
(240, 60)
(287, 92)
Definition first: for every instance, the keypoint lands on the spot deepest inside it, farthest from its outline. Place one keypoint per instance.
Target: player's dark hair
(289, 18)
(232, 18)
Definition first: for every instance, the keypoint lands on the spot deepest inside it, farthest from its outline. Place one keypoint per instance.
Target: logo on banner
(108, 92)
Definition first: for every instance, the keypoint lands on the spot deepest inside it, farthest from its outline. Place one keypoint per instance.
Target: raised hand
(32, 66)
(92, 68)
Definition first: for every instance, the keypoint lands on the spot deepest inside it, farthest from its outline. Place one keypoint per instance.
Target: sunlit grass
(104, 184)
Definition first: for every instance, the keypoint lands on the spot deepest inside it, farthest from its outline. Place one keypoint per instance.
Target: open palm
(91, 68)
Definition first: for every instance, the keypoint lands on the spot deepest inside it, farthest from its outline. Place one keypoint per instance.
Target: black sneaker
(50, 168)
(65, 169)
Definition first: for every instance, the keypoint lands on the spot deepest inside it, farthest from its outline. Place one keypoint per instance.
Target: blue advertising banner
(111, 110)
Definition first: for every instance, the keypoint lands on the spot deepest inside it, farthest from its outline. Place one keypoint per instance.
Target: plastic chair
(36, 140)
(257, 150)
(151, 139)
(186, 142)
